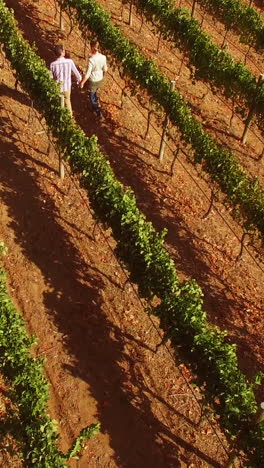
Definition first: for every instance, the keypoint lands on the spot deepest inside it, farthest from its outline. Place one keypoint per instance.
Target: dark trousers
(93, 88)
(94, 102)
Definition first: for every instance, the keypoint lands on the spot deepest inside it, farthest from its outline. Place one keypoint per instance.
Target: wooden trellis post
(252, 109)
(130, 21)
(61, 167)
(193, 8)
(159, 39)
(164, 132)
(61, 22)
(233, 113)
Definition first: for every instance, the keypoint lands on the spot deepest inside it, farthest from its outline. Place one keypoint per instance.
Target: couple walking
(62, 68)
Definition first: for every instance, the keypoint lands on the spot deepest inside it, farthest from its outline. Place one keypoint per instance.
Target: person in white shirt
(96, 69)
(61, 71)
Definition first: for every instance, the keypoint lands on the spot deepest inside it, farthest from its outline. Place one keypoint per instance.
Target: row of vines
(220, 163)
(203, 347)
(211, 63)
(25, 390)
(239, 16)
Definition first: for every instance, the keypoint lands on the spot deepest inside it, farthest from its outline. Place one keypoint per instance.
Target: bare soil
(99, 344)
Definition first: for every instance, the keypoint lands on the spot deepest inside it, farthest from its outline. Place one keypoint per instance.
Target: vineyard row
(219, 162)
(139, 246)
(26, 394)
(211, 63)
(238, 16)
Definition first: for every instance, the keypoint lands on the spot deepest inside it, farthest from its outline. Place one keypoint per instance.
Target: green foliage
(140, 247)
(241, 17)
(219, 162)
(211, 63)
(3, 249)
(28, 390)
(85, 434)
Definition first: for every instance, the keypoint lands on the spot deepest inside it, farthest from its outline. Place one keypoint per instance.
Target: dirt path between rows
(98, 342)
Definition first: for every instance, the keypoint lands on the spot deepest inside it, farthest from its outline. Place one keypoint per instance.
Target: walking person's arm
(87, 74)
(105, 68)
(76, 72)
(52, 71)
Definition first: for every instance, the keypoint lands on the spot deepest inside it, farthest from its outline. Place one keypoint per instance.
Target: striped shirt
(61, 71)
(96, 67)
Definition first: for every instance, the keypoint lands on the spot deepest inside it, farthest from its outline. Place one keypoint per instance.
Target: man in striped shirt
(61, 71)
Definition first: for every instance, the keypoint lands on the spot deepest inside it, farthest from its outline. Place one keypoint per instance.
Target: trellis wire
(196, 183)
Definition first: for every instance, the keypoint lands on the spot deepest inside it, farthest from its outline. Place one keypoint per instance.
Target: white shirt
(96, 67)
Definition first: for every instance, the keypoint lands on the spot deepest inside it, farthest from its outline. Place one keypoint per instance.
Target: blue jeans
(94, 102)
(93, 87)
